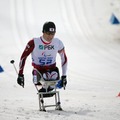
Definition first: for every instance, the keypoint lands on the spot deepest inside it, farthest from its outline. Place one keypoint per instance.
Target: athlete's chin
(49, 40)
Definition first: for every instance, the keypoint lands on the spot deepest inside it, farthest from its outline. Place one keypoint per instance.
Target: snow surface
(93, 49)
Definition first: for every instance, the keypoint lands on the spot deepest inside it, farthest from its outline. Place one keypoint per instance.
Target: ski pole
(64, 85)
(12, 62)
(22, 80)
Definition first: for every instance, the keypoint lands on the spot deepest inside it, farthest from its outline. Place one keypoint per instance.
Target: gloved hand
(20, 80)
(64, 81)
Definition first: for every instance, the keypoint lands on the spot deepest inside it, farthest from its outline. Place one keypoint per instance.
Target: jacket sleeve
(29, 48)
(64, 61)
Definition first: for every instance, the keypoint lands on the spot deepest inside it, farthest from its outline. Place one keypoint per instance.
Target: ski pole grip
(12, 61)
(64, 85)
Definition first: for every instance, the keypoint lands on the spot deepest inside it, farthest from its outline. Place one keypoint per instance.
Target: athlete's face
(48, 36)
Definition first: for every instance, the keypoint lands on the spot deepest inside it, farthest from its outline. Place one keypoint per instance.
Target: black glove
(20, 80)
(64, 81)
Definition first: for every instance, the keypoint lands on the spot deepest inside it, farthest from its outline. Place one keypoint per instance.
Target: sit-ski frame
(41, 100)
(54, 93)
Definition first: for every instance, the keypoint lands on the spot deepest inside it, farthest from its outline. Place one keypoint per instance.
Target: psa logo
(44, 47)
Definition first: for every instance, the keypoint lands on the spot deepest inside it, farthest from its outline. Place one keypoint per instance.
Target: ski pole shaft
(64, 84)
(64, 87)
(21, 78)
(12, 62)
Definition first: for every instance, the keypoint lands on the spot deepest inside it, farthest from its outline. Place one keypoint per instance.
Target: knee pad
(52, 75)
